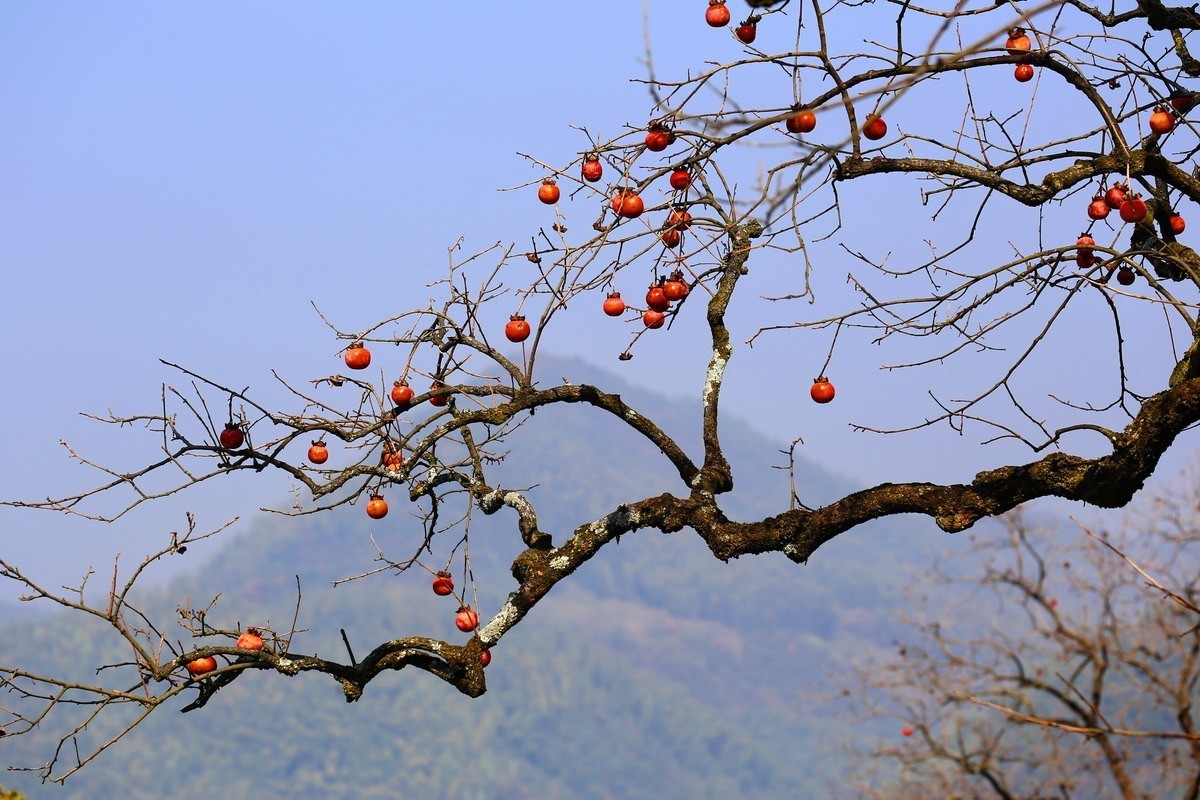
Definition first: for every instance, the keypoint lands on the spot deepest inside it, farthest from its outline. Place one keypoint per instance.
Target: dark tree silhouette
(682, 201)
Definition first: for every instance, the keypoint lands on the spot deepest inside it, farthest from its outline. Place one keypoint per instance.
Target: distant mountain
(656, 671)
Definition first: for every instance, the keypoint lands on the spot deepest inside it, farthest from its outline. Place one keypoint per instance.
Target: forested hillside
(660, 672)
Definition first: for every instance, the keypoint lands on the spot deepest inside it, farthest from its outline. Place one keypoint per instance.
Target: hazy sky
(180, 180)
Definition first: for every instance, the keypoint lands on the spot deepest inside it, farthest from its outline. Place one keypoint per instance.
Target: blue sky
(180, 180)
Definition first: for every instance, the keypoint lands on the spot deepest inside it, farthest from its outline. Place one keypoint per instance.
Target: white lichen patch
(712, 378)
(560, 563)
(505, 618)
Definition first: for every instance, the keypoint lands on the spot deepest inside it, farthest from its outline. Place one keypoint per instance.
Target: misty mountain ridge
(654, 671)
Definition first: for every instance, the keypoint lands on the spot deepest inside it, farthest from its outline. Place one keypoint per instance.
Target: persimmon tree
(1075, 676)
(739, 177)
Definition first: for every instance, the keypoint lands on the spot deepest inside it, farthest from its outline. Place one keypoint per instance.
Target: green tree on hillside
(1017, 123)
